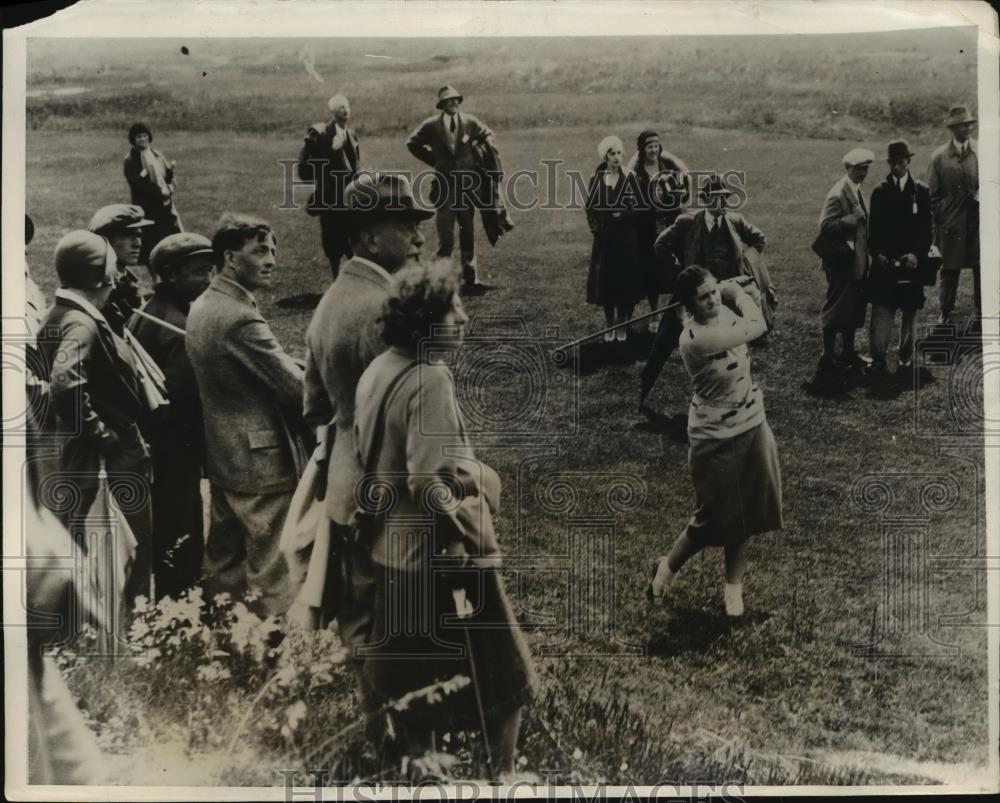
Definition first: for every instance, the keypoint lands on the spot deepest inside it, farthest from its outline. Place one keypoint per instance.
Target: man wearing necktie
(953, 178)
(330, 158)
(845, 218)
(446, 142)
(899, 241)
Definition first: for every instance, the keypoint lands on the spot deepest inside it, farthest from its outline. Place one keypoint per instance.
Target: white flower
(577, 754)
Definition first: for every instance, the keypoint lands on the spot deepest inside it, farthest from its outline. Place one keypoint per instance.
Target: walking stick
(618, 326)
(464, 611)
(160, 321)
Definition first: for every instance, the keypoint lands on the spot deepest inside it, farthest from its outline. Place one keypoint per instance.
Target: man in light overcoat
(251, 393)
(342, 339)
(446, 142)
(953, 178)
(845, 218)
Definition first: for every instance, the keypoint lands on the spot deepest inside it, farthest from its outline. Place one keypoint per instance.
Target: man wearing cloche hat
(97, 398)
(844, 219)
(899, 241)
(447, 142)
(953, 178)
(183, 264)
(342, 339)
(330, 158)
(122, 225)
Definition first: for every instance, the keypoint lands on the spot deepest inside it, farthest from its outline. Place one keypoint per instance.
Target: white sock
(734, 599)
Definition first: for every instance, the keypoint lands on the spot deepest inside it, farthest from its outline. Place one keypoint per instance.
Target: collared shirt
(857, 193)
(962, 147)
(447, 119)
(339, 137)
(901, 182)
(711, 221)
(69, 294)
(234, 283)
(377, 268)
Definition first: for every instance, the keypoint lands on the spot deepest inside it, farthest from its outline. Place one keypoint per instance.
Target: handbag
(834, 252)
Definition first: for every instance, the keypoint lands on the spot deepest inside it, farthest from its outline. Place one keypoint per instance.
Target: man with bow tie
(953, 178)
(899, 232)
(447, 142)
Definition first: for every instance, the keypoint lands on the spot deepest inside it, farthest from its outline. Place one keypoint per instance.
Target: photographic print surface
(854, 649)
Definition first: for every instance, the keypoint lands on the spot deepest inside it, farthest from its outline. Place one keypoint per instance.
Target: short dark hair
(687, 284)
(421, 298)
(235, 230)
(136, 130)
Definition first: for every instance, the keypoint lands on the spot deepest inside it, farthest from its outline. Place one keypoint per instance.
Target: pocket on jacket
(264, 439)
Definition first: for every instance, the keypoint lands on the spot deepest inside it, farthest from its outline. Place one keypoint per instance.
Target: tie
(861, 200)
(453, 124)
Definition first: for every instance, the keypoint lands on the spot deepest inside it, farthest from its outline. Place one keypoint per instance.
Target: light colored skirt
(737, 484)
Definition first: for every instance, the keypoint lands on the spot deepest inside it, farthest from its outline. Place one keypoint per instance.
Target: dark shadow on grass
(672, 425)
(594, 355)
(300, 301)
(679, 630)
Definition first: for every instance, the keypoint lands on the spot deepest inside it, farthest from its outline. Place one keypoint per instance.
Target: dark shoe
(878, 371)
(854, 362)
(476, 288)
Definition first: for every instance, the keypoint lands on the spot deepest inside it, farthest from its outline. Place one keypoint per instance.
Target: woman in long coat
(665, 187)
(733, 457)
(431, 503)
(613, 200)
(150, 178)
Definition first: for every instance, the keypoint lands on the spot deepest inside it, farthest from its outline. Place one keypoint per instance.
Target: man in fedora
(250, 391)
(446, 142)
(183, 264)
(342, 339)
(330, 158)
(713, 237)
(122, 225)
(899, 231)
(953, 178)
(844, 218)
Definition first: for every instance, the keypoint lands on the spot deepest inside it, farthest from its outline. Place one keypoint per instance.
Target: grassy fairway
(629, 693)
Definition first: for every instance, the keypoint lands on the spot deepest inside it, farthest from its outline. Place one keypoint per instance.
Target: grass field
(628, 694)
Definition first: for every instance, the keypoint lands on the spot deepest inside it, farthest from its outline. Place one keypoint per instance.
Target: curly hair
(235, 229)
(421, 299)
(136, 130)
(687, 284)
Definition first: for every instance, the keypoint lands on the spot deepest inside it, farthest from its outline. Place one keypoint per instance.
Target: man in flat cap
(97, 398)
(953, 178)
(342, 339)
(122, 225)
(447, 142)
(899, 241)
(182, 264)
(330, 158)
(251, 396)
(844, 220)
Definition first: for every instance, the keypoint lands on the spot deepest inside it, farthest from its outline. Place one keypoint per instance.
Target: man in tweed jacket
(250, 393)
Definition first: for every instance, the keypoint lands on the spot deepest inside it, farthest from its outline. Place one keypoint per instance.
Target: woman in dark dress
(613, 201)
(150, 178)
(665, 187)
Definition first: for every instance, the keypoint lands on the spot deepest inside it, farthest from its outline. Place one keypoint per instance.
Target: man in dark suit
(899, 237)
(712, 237)
(97, 398)
(330, 158)
(251, 393)
(183, 264)
(447, 143)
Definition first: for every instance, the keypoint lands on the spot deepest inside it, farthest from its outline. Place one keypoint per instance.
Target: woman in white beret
(613, 201)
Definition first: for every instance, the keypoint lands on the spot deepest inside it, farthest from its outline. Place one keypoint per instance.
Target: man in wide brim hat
(953, 178)
(447, 93)
(375, 198)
